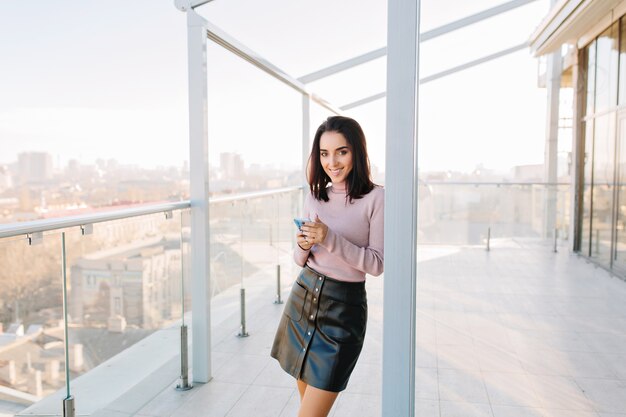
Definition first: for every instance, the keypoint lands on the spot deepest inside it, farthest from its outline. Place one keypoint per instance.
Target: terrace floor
(518, 331)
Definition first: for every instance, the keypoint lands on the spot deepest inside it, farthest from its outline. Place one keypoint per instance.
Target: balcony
(117, 314)
(505, 327)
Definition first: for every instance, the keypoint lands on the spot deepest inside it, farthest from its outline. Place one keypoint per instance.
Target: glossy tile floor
(515, 332)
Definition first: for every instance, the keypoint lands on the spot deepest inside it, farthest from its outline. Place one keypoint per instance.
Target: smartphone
(299, 221)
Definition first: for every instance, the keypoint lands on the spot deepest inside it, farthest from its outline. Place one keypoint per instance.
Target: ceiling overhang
(568, 21)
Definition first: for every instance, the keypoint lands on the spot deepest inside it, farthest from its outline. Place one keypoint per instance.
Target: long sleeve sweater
(354, 243)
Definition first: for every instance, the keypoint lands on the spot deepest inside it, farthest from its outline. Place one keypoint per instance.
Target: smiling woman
(321, 333)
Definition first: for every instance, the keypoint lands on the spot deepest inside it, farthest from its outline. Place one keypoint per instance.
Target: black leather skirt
(321, 331)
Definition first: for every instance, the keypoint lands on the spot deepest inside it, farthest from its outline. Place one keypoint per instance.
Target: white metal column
(553, 88)
(398, 396)
(577, 165)
(199, 179)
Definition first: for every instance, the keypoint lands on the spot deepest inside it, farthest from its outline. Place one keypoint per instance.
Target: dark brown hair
(358, 181)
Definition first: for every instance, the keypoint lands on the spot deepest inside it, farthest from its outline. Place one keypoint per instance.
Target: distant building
(73, 169)
(231, 166)
(34, 167)
(139, 283)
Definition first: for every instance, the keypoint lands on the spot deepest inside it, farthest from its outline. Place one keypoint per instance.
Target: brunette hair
(358, 181)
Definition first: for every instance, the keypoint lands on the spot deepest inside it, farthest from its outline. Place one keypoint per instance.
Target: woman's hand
(303, 241)
(312, 233)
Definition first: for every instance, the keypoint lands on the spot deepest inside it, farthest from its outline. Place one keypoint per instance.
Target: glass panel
(590, 76)
(225, 251)
(250, 236)
(587, 186)
(375, 134)
(606, 75)
(124, 287)
(186, 264)
(452, 213)
(290, 206)
(254, 135)
(258, 252)
(602, 209)
(620, 227)
(318, 115)
(32, 354)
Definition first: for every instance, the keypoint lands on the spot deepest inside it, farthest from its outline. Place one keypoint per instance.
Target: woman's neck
(339, 187)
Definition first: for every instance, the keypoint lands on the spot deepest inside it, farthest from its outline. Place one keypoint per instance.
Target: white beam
(363, 101)
(430, 34)
(342, 66)
(473, 63)
(199, 185)
(398, 396)
(228, 42)
(472, 19)
(438, 75)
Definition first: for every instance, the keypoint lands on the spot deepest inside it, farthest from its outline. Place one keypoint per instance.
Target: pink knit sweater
(354, 244)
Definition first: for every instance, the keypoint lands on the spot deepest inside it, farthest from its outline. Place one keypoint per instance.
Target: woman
(321, 332)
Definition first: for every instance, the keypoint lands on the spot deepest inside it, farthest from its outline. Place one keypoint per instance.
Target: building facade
(139, 284)
(591, 38)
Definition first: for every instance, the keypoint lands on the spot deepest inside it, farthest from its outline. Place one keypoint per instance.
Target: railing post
(278, 298)
(69, 409)
(556, 233)
(488, 239)
(242, 331)
(184, 385)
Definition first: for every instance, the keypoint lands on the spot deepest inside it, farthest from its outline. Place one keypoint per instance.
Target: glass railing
(129, 279)
(472, 213)
(31, 318)
(252, 238)
(128, 292)
(78, 294)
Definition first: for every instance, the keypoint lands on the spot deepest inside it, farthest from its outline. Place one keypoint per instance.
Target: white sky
(108, 79)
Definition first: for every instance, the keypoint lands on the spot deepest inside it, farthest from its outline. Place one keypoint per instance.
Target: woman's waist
(344, 291)
(339, 271)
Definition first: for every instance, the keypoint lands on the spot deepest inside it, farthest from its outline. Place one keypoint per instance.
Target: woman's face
(335, 156)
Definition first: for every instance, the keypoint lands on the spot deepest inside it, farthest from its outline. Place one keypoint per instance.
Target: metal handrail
(498, 183)
(255, 194)
(44, 225)
(231, 44)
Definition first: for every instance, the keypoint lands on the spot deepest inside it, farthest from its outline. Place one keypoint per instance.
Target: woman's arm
(369, 259)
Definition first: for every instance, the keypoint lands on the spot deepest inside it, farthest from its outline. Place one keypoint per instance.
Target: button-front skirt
(321, 331)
